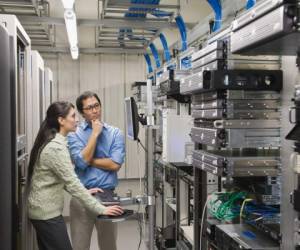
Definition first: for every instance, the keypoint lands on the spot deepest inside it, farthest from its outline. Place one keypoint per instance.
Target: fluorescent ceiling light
(68, 4)
(71, 26)
(74, 52)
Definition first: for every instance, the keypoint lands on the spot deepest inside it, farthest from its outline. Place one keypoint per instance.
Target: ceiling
(100, 21)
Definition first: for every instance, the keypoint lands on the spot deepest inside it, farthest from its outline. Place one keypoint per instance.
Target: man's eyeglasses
(92, 107)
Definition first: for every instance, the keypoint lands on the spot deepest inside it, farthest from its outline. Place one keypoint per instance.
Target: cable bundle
(256, 212)
(226, 206)
(231, 205)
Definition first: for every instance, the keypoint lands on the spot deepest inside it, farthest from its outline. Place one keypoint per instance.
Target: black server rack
(7, 223)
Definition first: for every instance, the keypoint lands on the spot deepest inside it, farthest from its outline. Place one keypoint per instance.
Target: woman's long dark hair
(49, 127)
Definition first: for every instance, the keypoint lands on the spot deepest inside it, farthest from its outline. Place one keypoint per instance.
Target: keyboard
(126, 214)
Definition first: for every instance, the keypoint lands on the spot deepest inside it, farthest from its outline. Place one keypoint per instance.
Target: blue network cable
(165, 46)
(183, 32)
(157, 13)
(217, 8)
(128, 32)
(148, 61)
(250, 4)
(185, 62)
(155, 54)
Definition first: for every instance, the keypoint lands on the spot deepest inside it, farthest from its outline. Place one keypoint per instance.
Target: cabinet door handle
(290, 114)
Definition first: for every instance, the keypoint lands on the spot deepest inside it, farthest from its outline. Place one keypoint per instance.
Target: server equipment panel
(275, 32)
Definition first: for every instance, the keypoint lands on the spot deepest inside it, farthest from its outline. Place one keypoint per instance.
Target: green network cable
(226, 205)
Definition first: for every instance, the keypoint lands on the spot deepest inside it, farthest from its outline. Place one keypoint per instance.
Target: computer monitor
(132, 118)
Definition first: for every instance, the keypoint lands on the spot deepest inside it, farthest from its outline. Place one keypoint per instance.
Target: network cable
(202, 218)
(202, 221)
(242, 208)
(141, 193)
(226, 205)
(139, 141)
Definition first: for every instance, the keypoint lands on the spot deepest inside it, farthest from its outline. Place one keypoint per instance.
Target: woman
(50, 173)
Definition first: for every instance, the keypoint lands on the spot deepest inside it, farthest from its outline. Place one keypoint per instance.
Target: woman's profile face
(69, 123)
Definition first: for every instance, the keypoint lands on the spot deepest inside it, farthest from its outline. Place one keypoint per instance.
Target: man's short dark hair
(84, 96)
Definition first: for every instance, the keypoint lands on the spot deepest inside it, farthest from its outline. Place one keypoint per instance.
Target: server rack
(19, 62)
(6, 134)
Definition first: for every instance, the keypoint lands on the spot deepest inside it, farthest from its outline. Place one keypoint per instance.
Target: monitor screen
(132, 118)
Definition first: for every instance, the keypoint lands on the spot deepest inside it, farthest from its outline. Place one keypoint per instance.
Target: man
(97, 150)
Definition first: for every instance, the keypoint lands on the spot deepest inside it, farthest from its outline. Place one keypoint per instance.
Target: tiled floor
(128, 236)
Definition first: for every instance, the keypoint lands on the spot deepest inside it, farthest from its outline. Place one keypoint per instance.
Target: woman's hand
(95, 190)
(113, 211)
